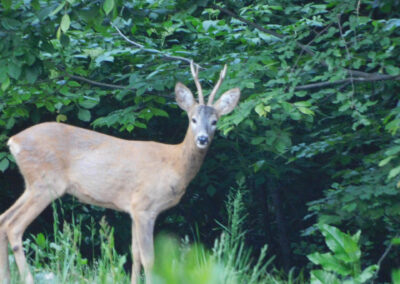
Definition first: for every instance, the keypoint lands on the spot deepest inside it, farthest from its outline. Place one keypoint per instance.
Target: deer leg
(135, 257)
(144, 224)
(4, 264)
(33, 205)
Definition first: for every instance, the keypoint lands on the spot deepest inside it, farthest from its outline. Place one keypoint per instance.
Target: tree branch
(106, 85)
(370, 78)
(155, 51)
(96, 83)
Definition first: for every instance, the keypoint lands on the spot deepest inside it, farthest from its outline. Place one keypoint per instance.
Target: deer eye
(214, 122)
(194, 120)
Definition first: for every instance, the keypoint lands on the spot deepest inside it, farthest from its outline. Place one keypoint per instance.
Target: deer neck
(192, 156)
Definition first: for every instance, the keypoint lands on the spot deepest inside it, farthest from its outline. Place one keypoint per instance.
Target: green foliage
(343, 263)
(318, 120)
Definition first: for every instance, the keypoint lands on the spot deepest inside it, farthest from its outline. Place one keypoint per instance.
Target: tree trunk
(281, 226)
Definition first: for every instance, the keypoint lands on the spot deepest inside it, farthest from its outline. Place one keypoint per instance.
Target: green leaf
(140, 124)
(5, 84)
(385, 161)
(6, 4)
(392, 70)
(64, 40)
(396, 276)
(330, 263)
(305, 110)
(262, 110)
(108, 6)
(89, 103)
(356, 236)
(211, 190)
(84, 114)
(40, 240)
(158, 112)
(35, 4)
(58, 9)
(323, 277)
(394, 172)
(31, 74)
(259, 109)
(4, 163)
(393, 150)
(258, 165)
(302, 104)
(65, 23)
(395, 241)
(207, 24)
(14, 70)
(61, 118)
(295, 115)
(341, 244)
(257, 140)
(366, 274)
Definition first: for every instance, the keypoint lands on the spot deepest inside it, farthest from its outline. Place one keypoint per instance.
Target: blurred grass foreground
(177, 261)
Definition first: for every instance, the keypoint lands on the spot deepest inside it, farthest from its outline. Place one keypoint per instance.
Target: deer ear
(184, 97)
(227, 102)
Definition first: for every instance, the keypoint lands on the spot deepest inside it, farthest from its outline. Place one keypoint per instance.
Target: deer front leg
(144, 227)
(135, 278)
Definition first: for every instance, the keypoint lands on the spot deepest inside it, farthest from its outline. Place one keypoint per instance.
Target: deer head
(203, 118)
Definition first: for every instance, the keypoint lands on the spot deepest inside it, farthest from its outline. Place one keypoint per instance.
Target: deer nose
(203, 140)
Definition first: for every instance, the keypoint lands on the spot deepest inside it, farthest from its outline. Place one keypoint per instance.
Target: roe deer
(141, 178)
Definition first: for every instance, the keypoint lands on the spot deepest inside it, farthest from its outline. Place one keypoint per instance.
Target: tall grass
(229, 261)
(230, 248)
(60, 260)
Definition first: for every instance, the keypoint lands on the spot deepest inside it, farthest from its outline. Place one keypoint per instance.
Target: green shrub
(343, 263)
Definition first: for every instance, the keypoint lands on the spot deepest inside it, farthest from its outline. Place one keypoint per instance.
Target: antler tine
(214, 91)
(195, 74)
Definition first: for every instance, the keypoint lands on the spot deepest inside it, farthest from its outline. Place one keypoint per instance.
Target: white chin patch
(201, 146)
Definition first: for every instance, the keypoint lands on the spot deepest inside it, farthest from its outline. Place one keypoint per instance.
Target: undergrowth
(229, 261)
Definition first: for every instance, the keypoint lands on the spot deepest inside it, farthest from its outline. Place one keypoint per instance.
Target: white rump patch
(14, 147)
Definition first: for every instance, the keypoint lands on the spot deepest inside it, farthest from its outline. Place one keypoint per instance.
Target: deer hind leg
(7, 215)
(136, 263)
(4, 265)
(36, 200)
(144, 227)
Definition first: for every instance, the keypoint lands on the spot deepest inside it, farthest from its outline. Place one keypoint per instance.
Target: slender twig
(156, 51)
(348, 57)
(383, 256)
(308, 44)
(106, 85)
(96, 83)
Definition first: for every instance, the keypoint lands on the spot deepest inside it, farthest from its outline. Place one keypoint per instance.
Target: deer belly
(102, 188)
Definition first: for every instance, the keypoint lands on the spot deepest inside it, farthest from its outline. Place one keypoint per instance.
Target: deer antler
(195, 74)
(216, 87)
